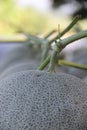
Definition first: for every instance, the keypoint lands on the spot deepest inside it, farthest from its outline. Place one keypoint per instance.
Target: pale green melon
(38, 100)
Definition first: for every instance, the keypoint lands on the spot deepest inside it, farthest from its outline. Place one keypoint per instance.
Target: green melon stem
(72, 64)
(67, 29)
(64, 43)
(47, 45)
(44, 63)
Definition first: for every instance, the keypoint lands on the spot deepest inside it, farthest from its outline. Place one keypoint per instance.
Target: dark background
(80, 4)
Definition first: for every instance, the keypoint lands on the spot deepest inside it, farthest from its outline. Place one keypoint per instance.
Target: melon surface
(39, 100)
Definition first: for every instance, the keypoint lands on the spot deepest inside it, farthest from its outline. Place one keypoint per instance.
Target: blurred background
(38, 16)
(31, 16)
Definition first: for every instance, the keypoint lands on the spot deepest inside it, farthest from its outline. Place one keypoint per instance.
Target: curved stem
(75, 37)
(64, 43)
(75, 20)
(47, 46)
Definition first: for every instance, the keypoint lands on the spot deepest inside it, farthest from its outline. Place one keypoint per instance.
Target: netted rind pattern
(38, 100)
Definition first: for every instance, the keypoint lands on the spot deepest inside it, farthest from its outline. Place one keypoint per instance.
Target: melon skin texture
(38, 100)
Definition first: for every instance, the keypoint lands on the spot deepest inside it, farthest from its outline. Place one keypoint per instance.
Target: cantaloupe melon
(39, 100)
